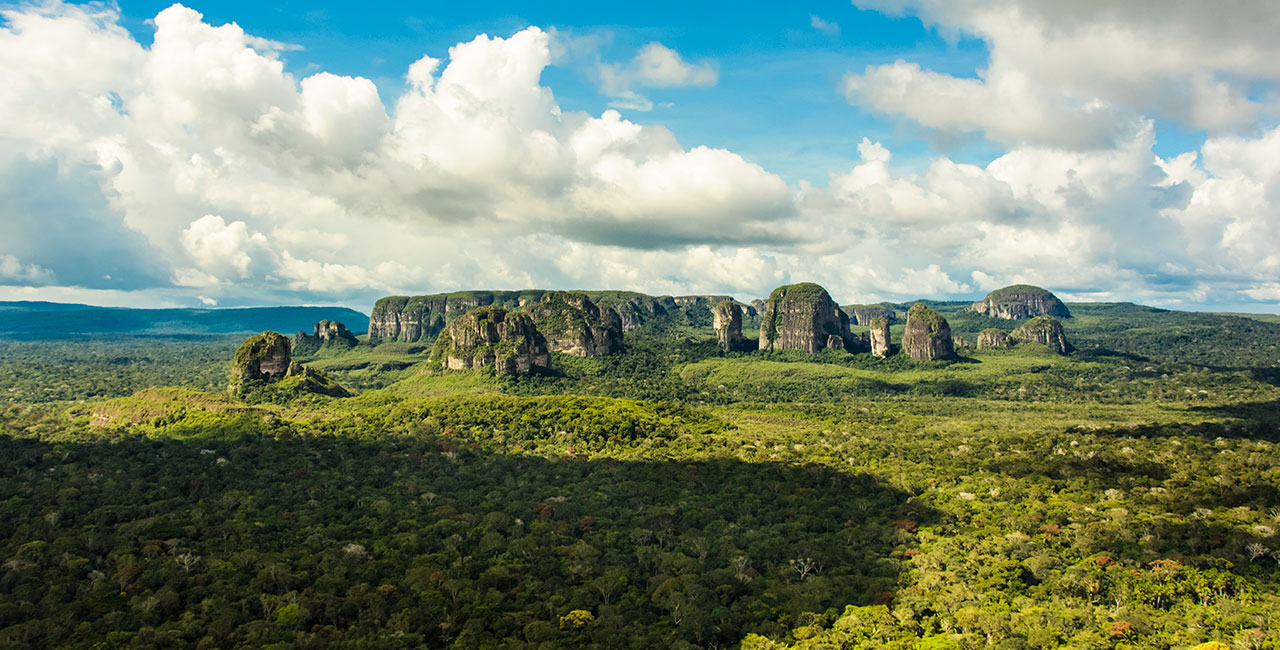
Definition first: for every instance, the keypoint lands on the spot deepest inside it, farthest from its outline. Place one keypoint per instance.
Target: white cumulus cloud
(1080, 74)
(198, 168)
(654, 66)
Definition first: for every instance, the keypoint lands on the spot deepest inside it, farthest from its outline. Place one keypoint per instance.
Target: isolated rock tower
(928, 336)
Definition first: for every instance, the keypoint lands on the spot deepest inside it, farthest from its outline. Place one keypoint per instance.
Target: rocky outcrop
(326, 334)
(265, 356)
(422, 318)
(573, 324)
(727, 321)
(492, 337)
(879, 337)
(928, 336)
(1045, 330)
(757, 305)
(864, 314)
(802, 317)
(992, 338)
(1021, 301)
(267, 359)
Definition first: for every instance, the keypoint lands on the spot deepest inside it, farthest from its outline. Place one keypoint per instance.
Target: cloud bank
(198, 168)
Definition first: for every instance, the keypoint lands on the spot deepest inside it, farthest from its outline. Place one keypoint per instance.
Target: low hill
(48, 320)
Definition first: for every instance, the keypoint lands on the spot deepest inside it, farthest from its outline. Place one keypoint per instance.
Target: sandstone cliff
(928, 336)
(1045, 330)
(879, 336)
(802, 317)
(727, 321)
(864, 314)
(1021, 301)
(573, 324)
(265, 356)
(992, 338)
(492, 337)
(267, 359)
(422, 318)
(326, 334)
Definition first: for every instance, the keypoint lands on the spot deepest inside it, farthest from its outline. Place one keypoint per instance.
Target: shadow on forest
(1252, 420)
(1266, 375)
(1098, 471)
(1084, 354)
(430, 540)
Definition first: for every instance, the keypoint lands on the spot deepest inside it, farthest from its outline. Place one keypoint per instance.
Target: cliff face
(992, 338)
(802, 317)
(928, 336)
(879, 337)
(1021, 301)
(727, 321)
(326, 333)
(492, 337)
(573, 324)
(864, 314)
(1045, 330)
(421, 318)
(265, 356)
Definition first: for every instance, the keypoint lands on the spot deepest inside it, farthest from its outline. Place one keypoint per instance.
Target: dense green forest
(670, 496)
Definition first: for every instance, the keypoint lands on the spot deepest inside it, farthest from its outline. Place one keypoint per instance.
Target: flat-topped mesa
(327, 333)
(864, 314)
(492, 337)
(727, 321)
(573, 324)
(928, 336)
(992, 339)
(803, 317)
(634, 309)
(1045, 330)
(422, 318)
(1020, 301)
(879, 337)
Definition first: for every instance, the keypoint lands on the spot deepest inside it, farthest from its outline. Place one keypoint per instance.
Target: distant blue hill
(57, 320)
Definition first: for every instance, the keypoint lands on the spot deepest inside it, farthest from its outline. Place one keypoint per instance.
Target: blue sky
(778, 100)
(236, 153)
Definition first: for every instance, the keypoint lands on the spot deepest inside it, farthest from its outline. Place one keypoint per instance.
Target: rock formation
(422, 318)
(1045, 330)
(928, 336)
(1021, 301)
(268, 358)
(265, 356)
(492, 337)
(802, 317)
(326, 333)
(864, 314)
(727, 321)
(879, 337)
(573, 324)
(992, 338)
